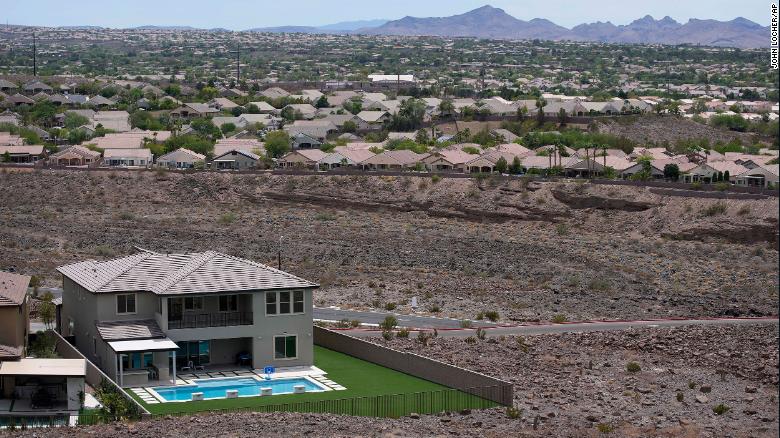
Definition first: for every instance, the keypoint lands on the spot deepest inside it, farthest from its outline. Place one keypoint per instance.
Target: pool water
(246, 387)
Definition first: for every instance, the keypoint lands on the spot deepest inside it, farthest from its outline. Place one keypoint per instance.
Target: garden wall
(94, 374)
(471, 382)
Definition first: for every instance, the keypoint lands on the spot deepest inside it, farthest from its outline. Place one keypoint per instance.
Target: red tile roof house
(146, 316)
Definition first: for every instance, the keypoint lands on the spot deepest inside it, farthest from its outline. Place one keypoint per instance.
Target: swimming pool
(246, 387)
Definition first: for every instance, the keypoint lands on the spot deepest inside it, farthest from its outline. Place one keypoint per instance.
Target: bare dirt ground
(566, 385)
(657, 130)
(528, 251)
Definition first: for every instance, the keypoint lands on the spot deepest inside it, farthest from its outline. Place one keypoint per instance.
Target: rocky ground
(658, 130)
(529, 251)
(566, 385)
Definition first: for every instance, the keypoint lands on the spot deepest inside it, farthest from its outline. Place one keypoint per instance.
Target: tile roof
(123, 330)
(8, 352)
(13, 288)
(172, 274)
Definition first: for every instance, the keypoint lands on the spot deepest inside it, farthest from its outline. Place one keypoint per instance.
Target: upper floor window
(228, 303)
(193, 303)
(284, 302)
(125, 304)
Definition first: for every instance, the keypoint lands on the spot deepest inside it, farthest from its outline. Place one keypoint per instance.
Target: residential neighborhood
(332, 219)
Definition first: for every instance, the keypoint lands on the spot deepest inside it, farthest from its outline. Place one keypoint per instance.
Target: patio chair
(200, 367)
(187, 368)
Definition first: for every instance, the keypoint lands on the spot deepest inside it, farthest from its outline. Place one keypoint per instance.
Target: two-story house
(148, 315)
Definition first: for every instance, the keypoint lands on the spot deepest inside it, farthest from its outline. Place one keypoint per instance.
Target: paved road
(538, 329)
(416, 321)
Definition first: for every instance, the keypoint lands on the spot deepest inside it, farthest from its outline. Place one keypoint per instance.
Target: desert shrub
(423, 337)
(722, 186)
(633, 367)
(227, 218)
(325, 217)
(715, 209)
(390, 306)
(465, 323)
(435, 179)
(492, 315)
(721, 409)
(354, 323)
(481, 334)
(744, 210)
(562, 229)
(513, 412)
(387, 334)
(471, 340)
(434, 309)
(389, 323)
(480, 316)
(599, 285)
(680, 397)
(696, 185)
(605, 428)
(559, 319)
(403, 332)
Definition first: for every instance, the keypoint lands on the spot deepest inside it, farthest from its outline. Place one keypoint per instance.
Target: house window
(286, 347)
(193, 303)
(270, 303)
(284, 303)
(136, 361)
(125, 304)
(228, 303)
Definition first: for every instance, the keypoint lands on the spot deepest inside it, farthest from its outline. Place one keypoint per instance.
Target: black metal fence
(201, 320)
(383, 406)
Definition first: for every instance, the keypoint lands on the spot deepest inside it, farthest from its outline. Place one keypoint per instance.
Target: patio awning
(163, 344)
(44, 367)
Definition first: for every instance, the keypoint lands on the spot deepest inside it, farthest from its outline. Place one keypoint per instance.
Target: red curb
(593, 321)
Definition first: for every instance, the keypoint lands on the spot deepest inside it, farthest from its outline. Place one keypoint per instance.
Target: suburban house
(235, 159)
(762, 176)
(448, 161)
(30, 386)
(23, 154)
(302, 140)
(345, 157)
(366, 120)
(127, 157)
(74, 156)
(239, 144)
(308, 158)
(193, 110)
(181, 158)
(274, 93)
(149, 315)
(393, 160)
(222, 103)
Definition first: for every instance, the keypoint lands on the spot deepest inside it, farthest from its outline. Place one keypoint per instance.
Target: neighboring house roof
(190, 154)
(77, 150)
(176, 274)
(10, 353)
(243, 152)
(122, 330)
(22, 150)
(274, 92)
(128, 153)
(226, 145)
(398, 157)
(310, 154)
(13, 288)
(371, 116)
(263, 106)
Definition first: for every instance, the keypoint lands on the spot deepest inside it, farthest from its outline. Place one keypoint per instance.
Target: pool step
(329, 383)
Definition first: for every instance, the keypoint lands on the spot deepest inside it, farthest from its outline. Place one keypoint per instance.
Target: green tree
(74, 120)
(228, 128)
(277, 143)
(516, 167)
(349, 126)
(501, 165)
(47, 310)
(322, 102)
(6, 157)
(672, 171)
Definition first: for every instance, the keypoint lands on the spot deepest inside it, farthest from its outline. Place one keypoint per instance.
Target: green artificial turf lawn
(361, 378)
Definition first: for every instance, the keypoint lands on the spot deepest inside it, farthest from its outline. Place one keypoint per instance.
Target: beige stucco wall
(14, 321)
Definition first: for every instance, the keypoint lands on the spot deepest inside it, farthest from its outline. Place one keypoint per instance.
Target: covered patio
(139, 361)
(41, 386)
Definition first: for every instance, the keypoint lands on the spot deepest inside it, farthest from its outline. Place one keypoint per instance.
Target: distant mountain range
(490, 22)
(343, 27)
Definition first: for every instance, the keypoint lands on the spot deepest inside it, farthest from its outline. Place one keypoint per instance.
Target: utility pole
(279, 254)
(35, 56)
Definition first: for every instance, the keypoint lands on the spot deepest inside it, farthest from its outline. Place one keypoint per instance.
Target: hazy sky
(244, 14)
